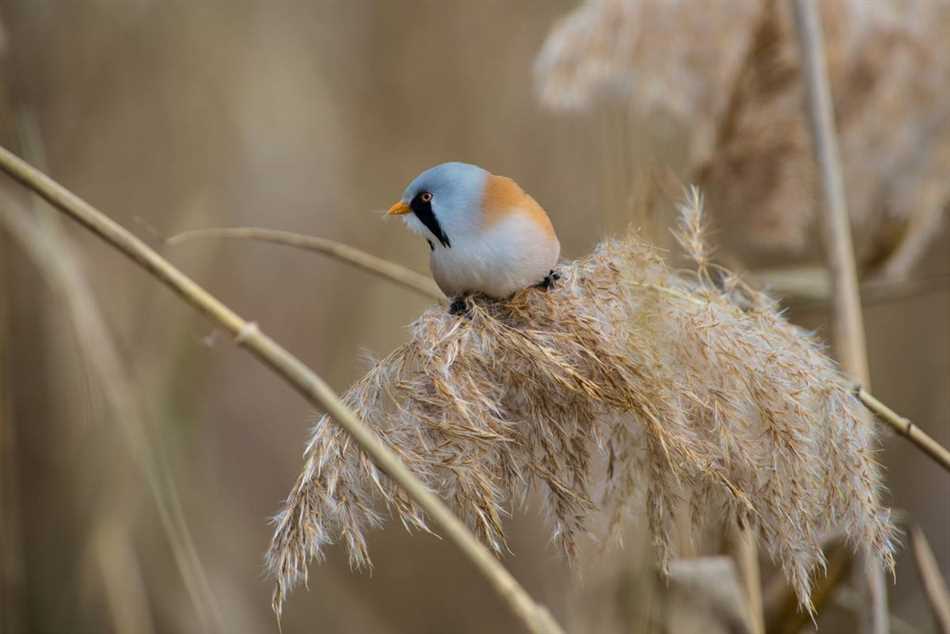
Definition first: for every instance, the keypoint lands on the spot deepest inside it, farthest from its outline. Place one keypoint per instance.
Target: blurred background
(136, 490)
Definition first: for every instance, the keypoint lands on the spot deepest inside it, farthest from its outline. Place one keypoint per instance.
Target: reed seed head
(729, 75)
(690, 387)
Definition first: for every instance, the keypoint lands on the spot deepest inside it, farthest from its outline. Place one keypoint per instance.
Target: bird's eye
(426, 197)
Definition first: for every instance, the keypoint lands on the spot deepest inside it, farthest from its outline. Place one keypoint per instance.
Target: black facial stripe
(423, 211)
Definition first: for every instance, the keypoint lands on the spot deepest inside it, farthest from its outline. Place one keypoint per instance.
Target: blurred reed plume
(739, 107)
(690, 386)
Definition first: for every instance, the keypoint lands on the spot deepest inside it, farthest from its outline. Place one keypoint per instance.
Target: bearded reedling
(485, 234)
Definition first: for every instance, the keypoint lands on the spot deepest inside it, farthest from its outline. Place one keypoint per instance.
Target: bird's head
(444, 202)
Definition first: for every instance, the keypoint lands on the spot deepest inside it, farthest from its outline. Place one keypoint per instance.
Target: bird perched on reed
(485, 234)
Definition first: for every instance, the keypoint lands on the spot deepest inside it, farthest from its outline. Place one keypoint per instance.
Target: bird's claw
(458, 306)
(548, 282)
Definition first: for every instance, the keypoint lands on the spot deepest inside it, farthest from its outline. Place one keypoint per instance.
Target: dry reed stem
(810, 286)
(534, 616)
(56, 258)
(745, 553)
(934, 584)
(56, 261)
(11, 548)
(124, 585)
(847, 319)
(405, 277)
(906, 428)
(848, 323)
(692, 387)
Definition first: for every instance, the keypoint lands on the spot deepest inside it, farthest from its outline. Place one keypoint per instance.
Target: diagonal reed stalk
(533, 616)
(405, 277)
(57, 260)
(291, 369)
(935, 586)
(905, 428)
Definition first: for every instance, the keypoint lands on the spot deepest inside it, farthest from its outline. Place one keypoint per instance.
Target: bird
(485, 233)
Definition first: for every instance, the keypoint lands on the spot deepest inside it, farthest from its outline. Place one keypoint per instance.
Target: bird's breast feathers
(515, 246)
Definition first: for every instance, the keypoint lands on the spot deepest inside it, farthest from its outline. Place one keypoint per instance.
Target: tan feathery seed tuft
(729, 74)
(693, 387)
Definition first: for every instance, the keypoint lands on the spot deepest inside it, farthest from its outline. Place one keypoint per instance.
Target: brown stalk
(847, 324)
(405, 277)
(96, 342)
(934, 584)
(534, 617)
(57, 260)
(746, 554)
(125, 587)
(905, 428)
(809, 287)
(11, 549)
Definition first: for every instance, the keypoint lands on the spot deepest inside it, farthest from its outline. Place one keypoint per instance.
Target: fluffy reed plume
(646, 50)
(691, 387)
(730, 75)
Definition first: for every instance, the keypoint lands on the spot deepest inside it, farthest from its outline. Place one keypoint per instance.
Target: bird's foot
(548, 282)
(459, 306)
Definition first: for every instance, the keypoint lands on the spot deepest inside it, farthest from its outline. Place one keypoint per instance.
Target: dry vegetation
(693, 387)
(729, 75)
(634, 401)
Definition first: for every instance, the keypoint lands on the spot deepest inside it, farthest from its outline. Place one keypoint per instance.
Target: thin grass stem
(57, 259)
(405, 277)
(11, 543)
(935, 586)
(59, 268)
(906, 428)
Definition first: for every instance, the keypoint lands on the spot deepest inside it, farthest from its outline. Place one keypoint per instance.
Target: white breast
(510, 255)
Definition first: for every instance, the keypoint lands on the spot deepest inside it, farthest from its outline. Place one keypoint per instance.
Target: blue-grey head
(443, 202)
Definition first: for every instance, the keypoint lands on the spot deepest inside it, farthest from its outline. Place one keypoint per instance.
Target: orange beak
(398, 209)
